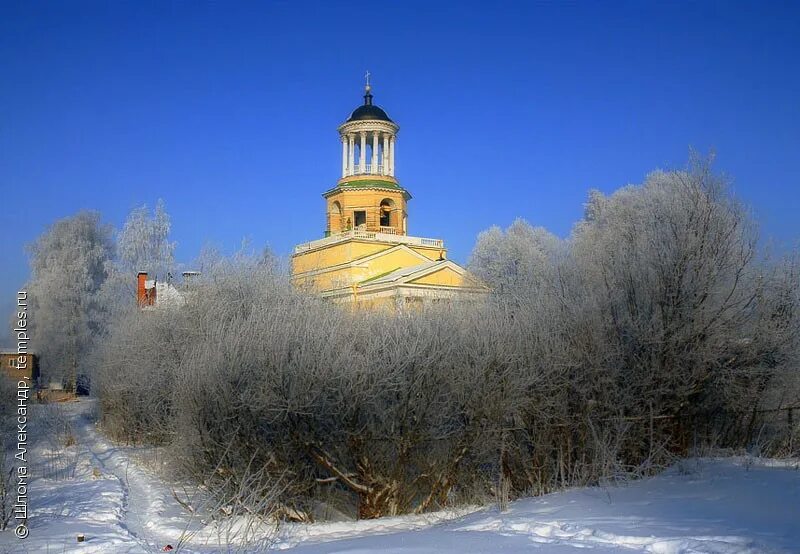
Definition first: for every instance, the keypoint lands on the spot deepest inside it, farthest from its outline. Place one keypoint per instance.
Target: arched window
(386, 209)
(336, 217)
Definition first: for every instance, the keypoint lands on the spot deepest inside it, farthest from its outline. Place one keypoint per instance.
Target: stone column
(351, 139)
(385, 154)
(362, 158)
(344, 155)
(391, 155)
(374, 152)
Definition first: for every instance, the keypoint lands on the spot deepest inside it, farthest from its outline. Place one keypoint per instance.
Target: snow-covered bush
(653, 328)
(668, 317)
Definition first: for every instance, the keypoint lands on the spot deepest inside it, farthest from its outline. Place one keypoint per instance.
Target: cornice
(344, 188)
(368, 125)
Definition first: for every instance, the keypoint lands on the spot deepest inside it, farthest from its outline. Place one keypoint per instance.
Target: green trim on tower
(370, 184)
(367, 184)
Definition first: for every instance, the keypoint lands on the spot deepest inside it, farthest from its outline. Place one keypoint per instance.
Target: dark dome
(368, 112)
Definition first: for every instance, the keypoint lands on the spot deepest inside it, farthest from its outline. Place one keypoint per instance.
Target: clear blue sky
(228, 111)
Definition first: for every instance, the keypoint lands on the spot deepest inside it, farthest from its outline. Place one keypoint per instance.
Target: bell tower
(367, 256)
(368, 196)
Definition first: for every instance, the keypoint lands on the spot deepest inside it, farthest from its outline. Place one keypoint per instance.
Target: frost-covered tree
(68, 268)
(657, 304)
(143, 244)
(671, 267)
(210, 256)
(522, 256)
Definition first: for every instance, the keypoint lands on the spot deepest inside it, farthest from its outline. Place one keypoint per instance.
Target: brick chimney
(141, 293)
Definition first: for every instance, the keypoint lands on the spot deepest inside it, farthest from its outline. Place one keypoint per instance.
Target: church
(367, 255)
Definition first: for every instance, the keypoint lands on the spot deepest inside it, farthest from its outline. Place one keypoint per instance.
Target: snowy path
(109, 463)
(75, 498)
(145, 499)
(719, 506)
(117, 505)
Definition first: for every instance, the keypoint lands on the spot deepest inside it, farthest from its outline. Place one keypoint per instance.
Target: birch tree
(68, 268)
(143, 244)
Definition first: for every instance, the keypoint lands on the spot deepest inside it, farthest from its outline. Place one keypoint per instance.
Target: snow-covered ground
(715, 506)
(732, 505)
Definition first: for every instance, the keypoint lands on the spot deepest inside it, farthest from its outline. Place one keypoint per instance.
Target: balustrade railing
(382, 236)
(365, 170)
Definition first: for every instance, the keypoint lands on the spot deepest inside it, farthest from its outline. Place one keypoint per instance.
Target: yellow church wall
(391, 261)
(327, 281)
(341, 217)
(334, 278)
(432, 254)
(335, 254)
(444, 277)
(352, 250)
(403, 296)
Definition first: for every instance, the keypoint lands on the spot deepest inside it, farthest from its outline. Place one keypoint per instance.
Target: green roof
(370, 184)
(367, 184)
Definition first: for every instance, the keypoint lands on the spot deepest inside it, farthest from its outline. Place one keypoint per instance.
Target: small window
(11, 362)
(360, 218)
